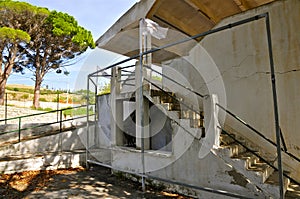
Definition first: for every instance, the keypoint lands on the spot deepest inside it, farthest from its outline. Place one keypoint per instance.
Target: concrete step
(255, 176)
(185, 124)
(226, 139)
(68, 140)
(233, 150)
(272, 184)
(42, 161)
(252, 163)
(263, 169)
(102, 155)
(189, 114)
(249, 158)
(171, 106)
(293, 191)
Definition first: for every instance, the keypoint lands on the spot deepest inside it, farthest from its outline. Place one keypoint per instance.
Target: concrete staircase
(254, 169)
(190, 121)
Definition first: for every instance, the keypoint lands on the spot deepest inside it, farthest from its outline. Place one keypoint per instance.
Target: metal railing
(284, 149)
(59, 117)
(255, 153)
(187, 106)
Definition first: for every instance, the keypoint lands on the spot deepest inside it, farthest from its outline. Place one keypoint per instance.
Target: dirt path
(98, 182)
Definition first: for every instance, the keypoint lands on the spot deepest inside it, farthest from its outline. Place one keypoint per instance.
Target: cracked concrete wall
(241, 57)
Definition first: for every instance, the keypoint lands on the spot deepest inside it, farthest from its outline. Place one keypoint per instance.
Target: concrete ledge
(50, 161)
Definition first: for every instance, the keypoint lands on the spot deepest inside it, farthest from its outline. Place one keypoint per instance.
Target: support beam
(117, 109)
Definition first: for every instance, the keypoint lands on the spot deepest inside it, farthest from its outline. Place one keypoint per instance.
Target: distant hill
(22, 92)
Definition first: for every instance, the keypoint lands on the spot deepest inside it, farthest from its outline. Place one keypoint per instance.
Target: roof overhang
(184, 18)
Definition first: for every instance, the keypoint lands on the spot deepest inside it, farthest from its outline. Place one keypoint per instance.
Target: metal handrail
(235, 117)
(241, 121)
(254, 153)
(171, 79)
(257, 132)
(184, 104)
(60, 121)
(43, 113)
(178, 100)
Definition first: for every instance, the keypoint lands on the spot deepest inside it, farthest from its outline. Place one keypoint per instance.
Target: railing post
(57, 106)
(5, 108)
(60, 121)
(87, 123)
(19, 131)
(276, 110)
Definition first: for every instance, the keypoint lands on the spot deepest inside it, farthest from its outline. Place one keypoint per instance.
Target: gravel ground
(13, 112)
(98, 182)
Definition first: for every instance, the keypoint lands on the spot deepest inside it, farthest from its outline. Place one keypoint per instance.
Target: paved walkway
(98, 182)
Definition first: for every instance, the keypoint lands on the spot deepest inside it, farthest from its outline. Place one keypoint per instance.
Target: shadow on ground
(98, 182)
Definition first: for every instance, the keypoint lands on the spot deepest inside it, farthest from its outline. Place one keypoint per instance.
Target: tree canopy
(51, 39)
(10, 35)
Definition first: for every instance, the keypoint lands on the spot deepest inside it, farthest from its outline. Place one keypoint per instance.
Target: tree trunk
(6, 71)
(37, 88)
(2, 91)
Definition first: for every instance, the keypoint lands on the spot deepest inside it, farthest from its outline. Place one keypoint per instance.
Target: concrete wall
(238, 60)
(62, 150)
(66, 141)
(183, 165)
(104, 123)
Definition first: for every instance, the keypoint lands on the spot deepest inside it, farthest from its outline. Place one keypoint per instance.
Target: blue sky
(94, 15)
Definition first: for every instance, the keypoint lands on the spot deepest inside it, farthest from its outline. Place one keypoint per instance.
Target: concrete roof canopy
(184, 18)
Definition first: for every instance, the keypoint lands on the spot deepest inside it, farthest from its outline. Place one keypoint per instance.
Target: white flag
(154, 29)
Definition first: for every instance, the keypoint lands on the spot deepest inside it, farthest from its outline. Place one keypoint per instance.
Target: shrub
(25, 96)
(42, 99)
(14, 95)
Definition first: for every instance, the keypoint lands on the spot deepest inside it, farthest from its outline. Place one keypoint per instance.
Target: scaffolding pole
(275, 104)
(140, 103)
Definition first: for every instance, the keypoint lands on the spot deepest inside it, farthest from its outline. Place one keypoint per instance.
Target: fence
(36, 125)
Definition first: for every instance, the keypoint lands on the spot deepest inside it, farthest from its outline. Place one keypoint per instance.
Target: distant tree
(56, 44)
(56, 39)
(14, 17)
(105, 89)
(84, 95)
(9, 40)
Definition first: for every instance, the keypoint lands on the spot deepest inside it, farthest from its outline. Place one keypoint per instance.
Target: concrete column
(117, 110)
(142, 116)
(211, 123)
(142, 106)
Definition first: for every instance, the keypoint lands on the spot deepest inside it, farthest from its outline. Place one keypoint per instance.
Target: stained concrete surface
(98, 182)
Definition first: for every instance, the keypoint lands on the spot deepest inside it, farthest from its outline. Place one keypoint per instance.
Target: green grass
(31, 90)
(42, 99)
(42, 109)
(76, 111)
(24, 90)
